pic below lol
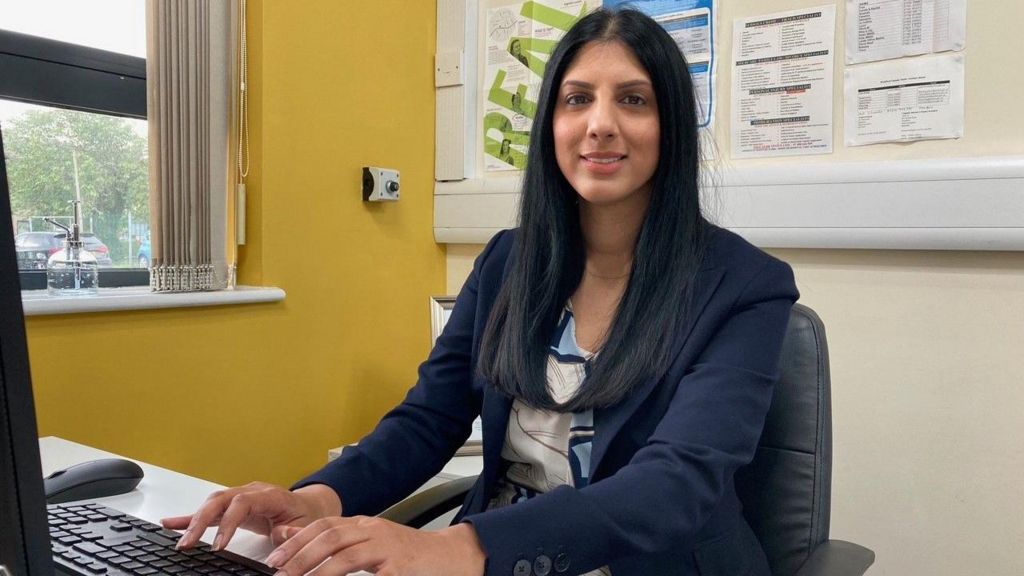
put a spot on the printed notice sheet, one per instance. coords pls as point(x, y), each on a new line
point(782, 83)
point(691, 23)
point(899, 101)
point(884, 29)
point(520, 39)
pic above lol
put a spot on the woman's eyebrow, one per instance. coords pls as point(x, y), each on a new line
point(621, 85)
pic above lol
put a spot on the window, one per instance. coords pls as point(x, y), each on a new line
point(73, 110)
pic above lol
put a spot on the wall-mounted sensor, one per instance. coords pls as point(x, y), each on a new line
point(380, 184)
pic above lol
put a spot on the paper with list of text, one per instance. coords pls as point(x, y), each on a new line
point(782, 83)
point(901, 101)
point(884, 29)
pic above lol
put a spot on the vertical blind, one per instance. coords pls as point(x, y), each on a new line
point(188, 70)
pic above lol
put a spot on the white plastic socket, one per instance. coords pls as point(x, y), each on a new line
point(381, 184)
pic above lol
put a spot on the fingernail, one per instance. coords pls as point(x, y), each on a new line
point(274, 559)
point(218, 541)
point(181, 541)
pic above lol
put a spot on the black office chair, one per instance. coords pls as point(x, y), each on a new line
point(786, 489)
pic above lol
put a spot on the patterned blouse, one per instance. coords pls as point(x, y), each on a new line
point(544, 450)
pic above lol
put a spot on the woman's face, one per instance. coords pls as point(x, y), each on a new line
point(606, 125)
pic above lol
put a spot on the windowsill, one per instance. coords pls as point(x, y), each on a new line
point(38, 303)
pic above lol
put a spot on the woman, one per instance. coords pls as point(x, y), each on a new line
point(621, 350)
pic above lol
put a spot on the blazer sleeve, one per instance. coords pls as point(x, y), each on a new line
point(661, 499)
point(415, 440)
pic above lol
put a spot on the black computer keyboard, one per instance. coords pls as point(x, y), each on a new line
point(93, 540)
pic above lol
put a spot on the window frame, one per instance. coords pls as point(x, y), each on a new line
point(58, 74)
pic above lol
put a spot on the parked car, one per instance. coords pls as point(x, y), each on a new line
point(35, 248)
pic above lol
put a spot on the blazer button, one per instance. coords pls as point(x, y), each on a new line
point(561, 563)
point(523, 568)
point(542, 565)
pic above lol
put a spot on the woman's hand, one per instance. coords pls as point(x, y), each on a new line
point(259, 507)
point(338, 546)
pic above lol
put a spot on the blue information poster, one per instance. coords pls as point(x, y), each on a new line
point(692, 24)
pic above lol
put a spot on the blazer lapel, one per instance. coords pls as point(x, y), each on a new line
point(608, 421)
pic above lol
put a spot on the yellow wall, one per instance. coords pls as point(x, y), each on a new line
point(262, 391)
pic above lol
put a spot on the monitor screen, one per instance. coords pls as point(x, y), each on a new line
point(24, 538)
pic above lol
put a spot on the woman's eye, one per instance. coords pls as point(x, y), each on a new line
point(575, 99)
point(634, 100)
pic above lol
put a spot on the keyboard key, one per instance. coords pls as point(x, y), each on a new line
point(157, 539)
point(161, 564)
point(149, 559)
point(89, 548)
point(205, 569)
point(107, 554)
point(120, 527)
point(152, 548)
point(96, 568)
point(175, 569)
point(97, 517)
point(82, 560)
point(171, 534)
point(135, 553)
point(120, 560)
point(122, 548)
point(69, 540)
point(78, 521)
point(205, 557)
point(133, 566)
point(144, 571)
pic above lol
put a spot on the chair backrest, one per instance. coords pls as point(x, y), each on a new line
point(786, 490)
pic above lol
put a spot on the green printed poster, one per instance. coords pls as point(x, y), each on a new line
point(520, 39)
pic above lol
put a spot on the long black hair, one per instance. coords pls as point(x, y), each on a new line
point(548, 254)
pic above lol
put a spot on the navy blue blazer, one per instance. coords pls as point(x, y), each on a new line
point(661, 499)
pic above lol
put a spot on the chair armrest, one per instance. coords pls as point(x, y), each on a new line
point(837, 558)
point(419, 509)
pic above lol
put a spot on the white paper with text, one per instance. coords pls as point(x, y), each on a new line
point(905, 100)
point(884, 29)
point(782, 83)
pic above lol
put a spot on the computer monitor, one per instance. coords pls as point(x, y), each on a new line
point(24, 537)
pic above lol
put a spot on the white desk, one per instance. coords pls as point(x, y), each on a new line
point(161, 493)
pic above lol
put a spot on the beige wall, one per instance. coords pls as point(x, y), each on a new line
point(926, 347)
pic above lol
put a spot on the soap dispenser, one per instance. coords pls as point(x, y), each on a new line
point(72, 271)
